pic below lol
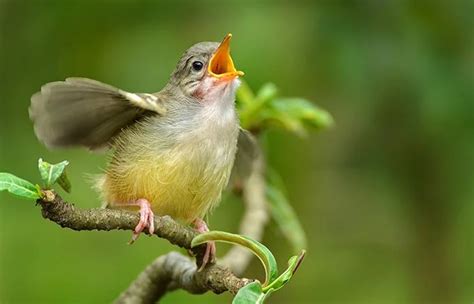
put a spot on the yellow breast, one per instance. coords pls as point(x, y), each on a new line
point(184, 181)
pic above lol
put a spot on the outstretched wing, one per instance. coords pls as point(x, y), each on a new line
point(85, 112)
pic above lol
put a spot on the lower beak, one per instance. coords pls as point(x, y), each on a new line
point(221, 64)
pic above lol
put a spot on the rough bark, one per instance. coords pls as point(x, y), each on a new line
point(167, 272)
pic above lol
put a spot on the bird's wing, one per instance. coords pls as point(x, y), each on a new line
point(247, 151)
point(85, 112)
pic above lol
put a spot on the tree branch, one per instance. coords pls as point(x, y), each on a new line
point(169, 271)
point(67, 215)
point(173, 271)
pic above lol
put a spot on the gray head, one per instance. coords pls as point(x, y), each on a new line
point(203, 69)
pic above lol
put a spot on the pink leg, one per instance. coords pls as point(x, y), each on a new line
point(147, 218)
point(210, 253)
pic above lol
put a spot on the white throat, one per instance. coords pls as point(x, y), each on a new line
point(219, 101)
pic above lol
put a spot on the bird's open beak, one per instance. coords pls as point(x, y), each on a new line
point(221, 64)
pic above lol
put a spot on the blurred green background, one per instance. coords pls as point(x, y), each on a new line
point(386, 195)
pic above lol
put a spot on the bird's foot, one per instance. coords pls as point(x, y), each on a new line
point(210, 253)
point(147, 219)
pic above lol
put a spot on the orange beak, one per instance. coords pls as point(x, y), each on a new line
point(221, 64)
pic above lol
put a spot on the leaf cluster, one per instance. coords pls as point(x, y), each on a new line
point(50, 174)
point(267, 110)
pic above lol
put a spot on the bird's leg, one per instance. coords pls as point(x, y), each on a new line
point(147, 218)
point(210, 253)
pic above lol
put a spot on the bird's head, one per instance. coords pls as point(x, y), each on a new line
point(206, 71)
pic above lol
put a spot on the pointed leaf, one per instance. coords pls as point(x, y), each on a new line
point(293, 263)
point(18, 186)
point(256, 293)
point(50, 173)
point(262, 252)
point(64, 182)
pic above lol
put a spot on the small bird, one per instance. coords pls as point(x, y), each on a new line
point(172, 151)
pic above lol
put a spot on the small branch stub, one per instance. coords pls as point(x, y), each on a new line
point(48, 196)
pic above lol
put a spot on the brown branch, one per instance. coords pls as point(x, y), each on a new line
point(167, 272)
point(173, 271)
point(153, 282)
point(67, 215)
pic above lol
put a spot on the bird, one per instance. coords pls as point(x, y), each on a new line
point(172, 152)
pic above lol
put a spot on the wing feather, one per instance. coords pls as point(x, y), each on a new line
point(85, 112)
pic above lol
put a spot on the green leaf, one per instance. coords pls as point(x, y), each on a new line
point(18, 186)
point(272, 118)
point(245, 96)
point(64, 182)
point(52, 173)
point(293, 263)
point(266, 110)
point(283, 213)
point(300, 110)
point(255, 293)
point(251, 293)
point(251, 106)
point(262, 252)
point(294, 115)
point(267, 92)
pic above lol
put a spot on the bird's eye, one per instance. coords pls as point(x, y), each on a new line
point(197, 65)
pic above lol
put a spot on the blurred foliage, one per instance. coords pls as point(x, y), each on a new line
point(385, 196)
point(283, 213)
point(266, 110)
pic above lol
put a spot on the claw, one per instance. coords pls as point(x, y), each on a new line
point(147, 219)
point(210, 253)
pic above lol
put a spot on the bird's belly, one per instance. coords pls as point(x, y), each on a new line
point(184, 184)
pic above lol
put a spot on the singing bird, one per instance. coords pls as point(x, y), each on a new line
point(172, 151)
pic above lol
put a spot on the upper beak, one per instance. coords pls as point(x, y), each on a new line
point(221, 64)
